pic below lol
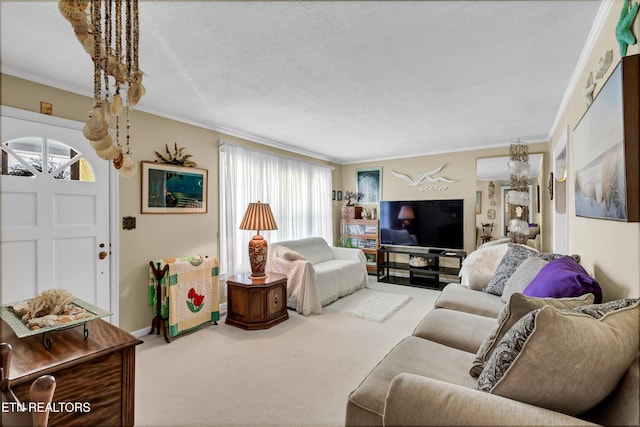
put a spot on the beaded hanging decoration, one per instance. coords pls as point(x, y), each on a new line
point(94, 23)
point(519, 213)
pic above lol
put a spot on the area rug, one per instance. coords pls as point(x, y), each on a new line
point(369, 304)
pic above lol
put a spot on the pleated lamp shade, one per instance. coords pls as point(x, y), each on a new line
point(258, 217)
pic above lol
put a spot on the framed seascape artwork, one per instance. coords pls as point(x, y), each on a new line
point(606, 149)
point(173, 189)
point(369, 183)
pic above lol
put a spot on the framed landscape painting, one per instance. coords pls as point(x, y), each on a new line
point(606, 149)
point(173, 189)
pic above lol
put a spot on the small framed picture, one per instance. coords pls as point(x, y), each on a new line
point(491, 214)
point(170, 189)
point(478, 202)
point(369, 183)
point(339, 195)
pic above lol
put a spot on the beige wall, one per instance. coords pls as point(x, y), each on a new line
point(610, 250)
point(458, 166)
point(156, 235)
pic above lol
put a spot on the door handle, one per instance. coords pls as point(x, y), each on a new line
point(102, 255)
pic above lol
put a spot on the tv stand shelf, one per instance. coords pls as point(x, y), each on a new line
point(434, 268)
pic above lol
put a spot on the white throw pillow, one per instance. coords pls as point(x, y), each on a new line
point(520, 279)
point(288, 254)
point(480, 266)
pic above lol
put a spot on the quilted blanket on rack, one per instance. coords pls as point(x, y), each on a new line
point(190, 293)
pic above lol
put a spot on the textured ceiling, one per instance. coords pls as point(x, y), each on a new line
point(341, 81)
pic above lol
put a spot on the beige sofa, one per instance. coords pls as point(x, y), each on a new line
point(426, 380)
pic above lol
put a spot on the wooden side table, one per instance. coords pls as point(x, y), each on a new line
point(256, 303)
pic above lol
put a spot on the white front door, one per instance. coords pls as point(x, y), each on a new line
point(54, 198)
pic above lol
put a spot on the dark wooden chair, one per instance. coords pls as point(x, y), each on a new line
point(41, 392)
point(487, 232)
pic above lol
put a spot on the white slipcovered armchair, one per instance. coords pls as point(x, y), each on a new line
point(317, 274)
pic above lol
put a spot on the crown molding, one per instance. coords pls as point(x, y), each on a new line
point(594, 34)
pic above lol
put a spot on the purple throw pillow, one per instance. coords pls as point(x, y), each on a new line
point(563, 277)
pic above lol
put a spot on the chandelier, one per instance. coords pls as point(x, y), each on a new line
point(519, 193)
point(108, 31)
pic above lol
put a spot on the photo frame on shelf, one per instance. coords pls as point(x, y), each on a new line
point(171, 189)
point(369, 183)
point(607, 149)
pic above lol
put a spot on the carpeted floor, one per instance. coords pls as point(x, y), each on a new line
point(298, 373)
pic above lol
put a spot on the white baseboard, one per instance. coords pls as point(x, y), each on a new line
point(141, 332)
point(145, 331)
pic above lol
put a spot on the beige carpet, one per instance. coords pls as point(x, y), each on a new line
point(298, 373)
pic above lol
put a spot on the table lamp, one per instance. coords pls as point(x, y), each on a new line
point(258, 217)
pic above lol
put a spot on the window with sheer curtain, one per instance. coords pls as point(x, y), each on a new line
point(298, 192)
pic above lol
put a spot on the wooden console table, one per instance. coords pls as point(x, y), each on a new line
point(99, 371)
point(256, 303)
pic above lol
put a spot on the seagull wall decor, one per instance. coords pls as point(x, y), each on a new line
point(422, 177)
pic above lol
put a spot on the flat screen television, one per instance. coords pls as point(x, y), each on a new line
point(437, 224)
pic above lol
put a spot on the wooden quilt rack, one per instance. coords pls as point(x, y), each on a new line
point(158, 321)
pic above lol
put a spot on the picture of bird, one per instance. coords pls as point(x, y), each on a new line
point(422, 177)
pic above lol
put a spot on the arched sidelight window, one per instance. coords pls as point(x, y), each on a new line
point(37, 156)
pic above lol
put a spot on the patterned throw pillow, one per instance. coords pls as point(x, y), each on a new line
point(509, 263)
point(518, 306)
point(565, 360)
point(550, 256)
